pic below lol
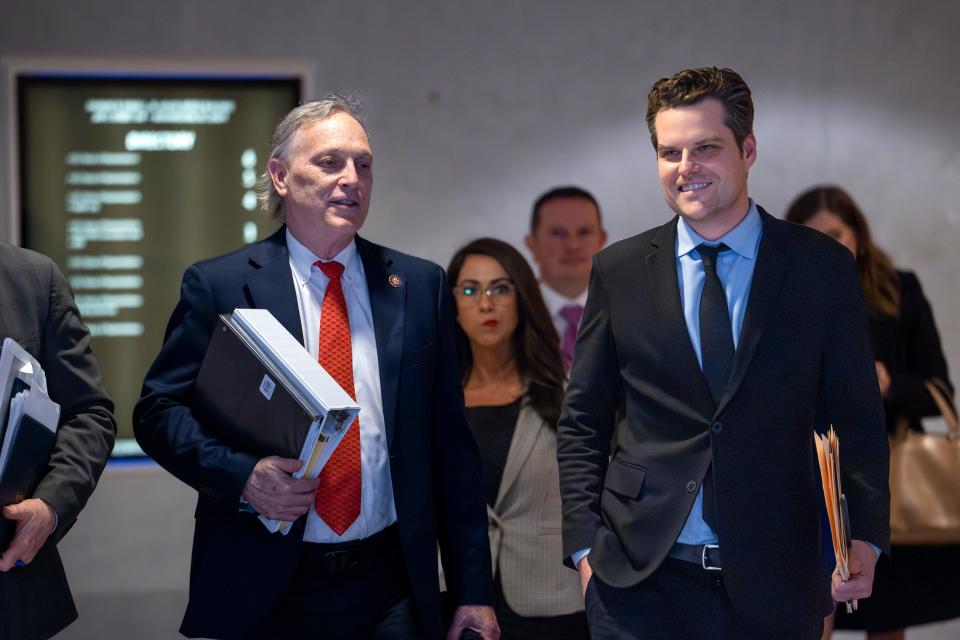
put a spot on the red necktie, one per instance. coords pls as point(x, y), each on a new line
point(338, 497)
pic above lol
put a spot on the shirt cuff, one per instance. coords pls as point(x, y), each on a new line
point(578, 556)
point(246, 507)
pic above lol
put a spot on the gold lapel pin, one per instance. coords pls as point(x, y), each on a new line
point(394, 280)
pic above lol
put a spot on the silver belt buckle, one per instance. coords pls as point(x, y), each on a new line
point(703, 557)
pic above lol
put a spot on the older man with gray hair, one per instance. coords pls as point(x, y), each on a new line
point(360, 561)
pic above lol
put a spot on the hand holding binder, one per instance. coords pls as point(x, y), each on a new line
point(274, 491)
point(28, 433)
point(262, 392)
point(34, 520)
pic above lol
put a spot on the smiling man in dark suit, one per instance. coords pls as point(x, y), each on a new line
point(360, 561)
point(728, 336)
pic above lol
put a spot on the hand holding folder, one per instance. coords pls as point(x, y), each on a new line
point(828, 454)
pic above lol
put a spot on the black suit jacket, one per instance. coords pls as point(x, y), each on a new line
point(802, 361)
point(238, 568)
point(37, 310)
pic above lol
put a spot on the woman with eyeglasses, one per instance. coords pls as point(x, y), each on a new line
point(512, 374)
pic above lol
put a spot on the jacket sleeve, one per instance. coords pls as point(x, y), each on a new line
point(163, 420)
point(87, 425)
point(587, 420)
point(850, 401)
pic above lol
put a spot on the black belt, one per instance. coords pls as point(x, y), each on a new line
point(379, 549)
point(705, 555)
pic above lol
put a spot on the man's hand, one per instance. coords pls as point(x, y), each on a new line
point(477, 617)
point(862, 562)
point(274, 493)
point(36, 520)
point(585, 574)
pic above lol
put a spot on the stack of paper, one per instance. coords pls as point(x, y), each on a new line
point(828, 454)
point(262, 392)
point(29, 432)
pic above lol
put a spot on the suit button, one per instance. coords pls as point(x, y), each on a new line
point(716, 427)
point(691, 486)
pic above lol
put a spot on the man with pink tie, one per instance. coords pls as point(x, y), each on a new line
point(565, 232)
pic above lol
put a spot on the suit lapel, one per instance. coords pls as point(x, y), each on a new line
point(387, 303)
point(764, 290)
point(521, 446)
point(665, 299)
point(270, 283)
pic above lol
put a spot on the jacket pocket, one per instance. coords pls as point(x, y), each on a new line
point(625, 479)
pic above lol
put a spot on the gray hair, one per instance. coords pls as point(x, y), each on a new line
point(299, 117)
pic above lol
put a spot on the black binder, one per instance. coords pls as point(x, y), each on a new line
point(26, 465)
point(241, 397)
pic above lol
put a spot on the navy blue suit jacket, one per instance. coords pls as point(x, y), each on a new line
point(238, 568)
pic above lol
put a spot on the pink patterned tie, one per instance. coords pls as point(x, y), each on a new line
point(571, 314)
point(337, 500)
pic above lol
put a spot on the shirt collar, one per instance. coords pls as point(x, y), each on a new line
point(556, 301)
point(742, 239)
point(303, 259)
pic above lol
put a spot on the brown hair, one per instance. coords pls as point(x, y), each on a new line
point(535, 344)
point(691, 86)
point(878, 278)
point(562, 193)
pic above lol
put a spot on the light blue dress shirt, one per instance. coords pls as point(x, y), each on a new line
point(735, 268)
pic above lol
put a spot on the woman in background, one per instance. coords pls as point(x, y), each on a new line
point(917, 584)
point(512, 374)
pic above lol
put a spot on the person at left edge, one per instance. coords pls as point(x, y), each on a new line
point(37, 310)
point(364, 567)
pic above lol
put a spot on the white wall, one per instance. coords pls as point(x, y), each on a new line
point(477, 107)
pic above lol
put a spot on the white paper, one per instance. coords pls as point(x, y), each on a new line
point(297, 365)
point(15, 363)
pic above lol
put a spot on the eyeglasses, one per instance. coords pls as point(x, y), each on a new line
point(472, 292)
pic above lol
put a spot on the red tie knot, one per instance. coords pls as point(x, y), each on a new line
point(332, 269)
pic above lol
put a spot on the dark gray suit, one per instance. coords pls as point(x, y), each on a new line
point(802, 362)
point(37, 310)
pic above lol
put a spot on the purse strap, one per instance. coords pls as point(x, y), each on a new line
point(940, 396)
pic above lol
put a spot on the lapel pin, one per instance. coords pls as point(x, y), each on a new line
point(394, 280)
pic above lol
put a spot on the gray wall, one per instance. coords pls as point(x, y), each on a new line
point(477, 107)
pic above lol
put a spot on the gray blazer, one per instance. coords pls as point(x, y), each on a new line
point(525, 525)
point(37, 310)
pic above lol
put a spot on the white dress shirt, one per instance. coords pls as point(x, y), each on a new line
point(555, 302)
point(377, 508)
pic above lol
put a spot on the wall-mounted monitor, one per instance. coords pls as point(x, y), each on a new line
point(126, 180)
